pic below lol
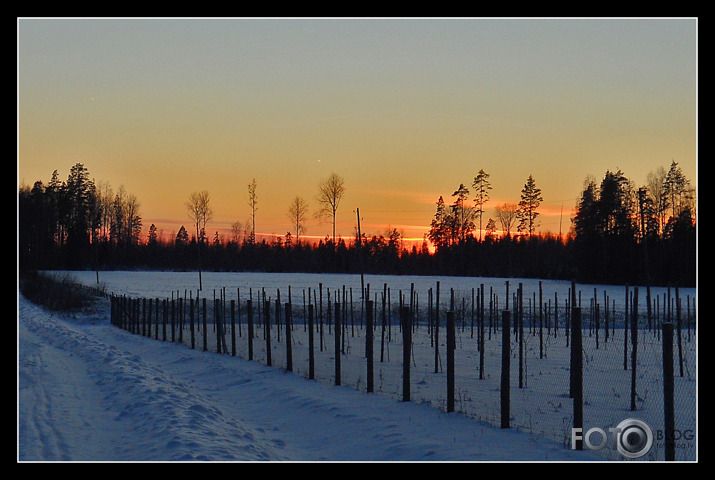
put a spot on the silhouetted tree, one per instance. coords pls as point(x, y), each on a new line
point(481, 186)
point(676, 188)
point(506, 214)
point(438, 233)
point(330, 193)
point(253, 203)
point(297, 213)
point(462, 214)
point(199, 210)
point(530, 201)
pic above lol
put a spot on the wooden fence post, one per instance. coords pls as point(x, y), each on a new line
point(233, 327)
point(156, 319)
point(191, 323)
point(451, 344)
point(406, 352)
point(289, 346)
point(577, 372)
point(520, 314)
point(173, 318)
point(505, 367)
point(267, 330)
point(679, 327)
point(369, 343)
point(311, 343)
point(165, 318)
point(337, 343)
point(436, 331)
point(204, 323)
point(249, 320)
point(634, 352)
point(481, 320)
point(668, 392)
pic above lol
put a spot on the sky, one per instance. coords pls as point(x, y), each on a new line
point(404, 109)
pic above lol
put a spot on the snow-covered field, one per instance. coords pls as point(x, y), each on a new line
point(90, 391)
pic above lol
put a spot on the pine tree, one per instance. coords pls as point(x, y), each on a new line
point(481, 186)
point(530, 201)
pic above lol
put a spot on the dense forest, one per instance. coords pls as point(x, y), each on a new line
point(619, 234)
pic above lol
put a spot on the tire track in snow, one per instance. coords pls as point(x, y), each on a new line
point(128, 399)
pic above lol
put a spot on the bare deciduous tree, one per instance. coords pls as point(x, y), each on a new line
point(297, 212)
point(199, 212)
point(330, 192)
point(506, 214)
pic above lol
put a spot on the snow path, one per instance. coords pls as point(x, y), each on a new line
point(88, 391)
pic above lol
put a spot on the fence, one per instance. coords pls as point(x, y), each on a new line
point(511, 361)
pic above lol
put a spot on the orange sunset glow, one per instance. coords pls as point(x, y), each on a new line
point(403, 109)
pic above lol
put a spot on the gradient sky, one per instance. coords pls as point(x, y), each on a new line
point(404, 109)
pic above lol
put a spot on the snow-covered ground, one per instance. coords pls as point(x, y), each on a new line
point(90, 391)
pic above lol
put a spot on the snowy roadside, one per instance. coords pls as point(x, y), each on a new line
point(88, 391)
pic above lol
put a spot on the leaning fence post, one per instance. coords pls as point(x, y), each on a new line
point(668, 392)
point(505, 367)
point(450, 361)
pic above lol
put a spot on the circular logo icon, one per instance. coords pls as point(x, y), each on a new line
point(634, 438)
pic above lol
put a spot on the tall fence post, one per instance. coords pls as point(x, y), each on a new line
point(156, 319)
point(249, 320)
point(634, 350)
point(505, 367)
point(267, 330)
point(289, 346)
point(577, 372)
point(165, 318)
point(668, 392)
point(233, 327)
point(679, 327)
point(406, 352)
point(436, 332)
point(311, 343)
point(481, 318)
point(180, 319)
point(337, 343)
point(191, 323)
point(451, 344)
point(173, 319)
point(143, 317)
point(369, 343)
point(204, 323)
point(520, 314)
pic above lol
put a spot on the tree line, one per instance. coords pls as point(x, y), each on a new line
point(619, 234)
